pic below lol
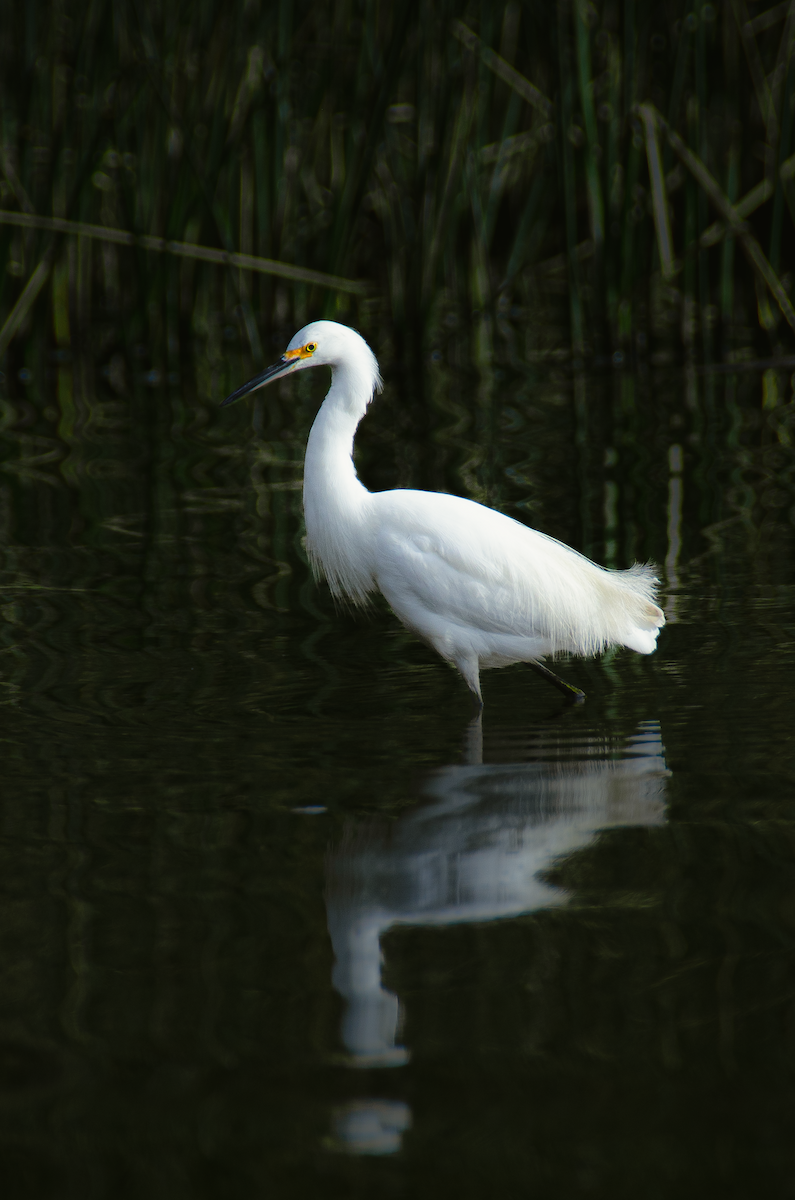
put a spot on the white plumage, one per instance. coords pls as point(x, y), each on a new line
point(482, 589)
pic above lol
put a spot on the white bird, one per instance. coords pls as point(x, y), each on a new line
point(482, 589)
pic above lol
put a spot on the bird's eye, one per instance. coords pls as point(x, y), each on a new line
point(310, 347)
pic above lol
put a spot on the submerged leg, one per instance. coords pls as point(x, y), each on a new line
point(474, 740)
point(572, 694)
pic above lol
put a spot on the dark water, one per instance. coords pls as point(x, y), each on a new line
point(270, 927)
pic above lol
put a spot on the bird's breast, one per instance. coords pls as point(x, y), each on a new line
point(339, 541)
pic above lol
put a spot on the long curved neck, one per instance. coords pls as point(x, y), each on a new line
point(335, 501)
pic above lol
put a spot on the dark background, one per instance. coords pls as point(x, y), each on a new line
point(174, 687)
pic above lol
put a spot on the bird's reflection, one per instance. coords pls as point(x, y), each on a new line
point(475, 850)
point(373, 1127)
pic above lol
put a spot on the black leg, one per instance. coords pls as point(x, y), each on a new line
point(474, 741)
point(572, 694)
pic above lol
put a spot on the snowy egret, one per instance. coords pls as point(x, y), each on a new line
point(482, 589)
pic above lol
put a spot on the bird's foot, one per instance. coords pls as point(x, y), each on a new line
point(573, 694)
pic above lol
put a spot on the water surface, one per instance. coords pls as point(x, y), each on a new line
point(276, 920)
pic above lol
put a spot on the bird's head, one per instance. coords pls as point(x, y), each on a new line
point(321, 343)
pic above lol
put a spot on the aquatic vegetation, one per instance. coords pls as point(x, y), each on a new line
point(547, 176)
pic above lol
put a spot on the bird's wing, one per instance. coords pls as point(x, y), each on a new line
point(477, 568)
point(473, 565)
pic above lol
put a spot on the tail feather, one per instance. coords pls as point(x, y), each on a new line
point(648, 621)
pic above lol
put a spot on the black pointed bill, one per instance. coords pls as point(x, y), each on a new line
point(282, 367)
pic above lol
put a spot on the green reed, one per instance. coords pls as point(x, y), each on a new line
point(393, 165)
